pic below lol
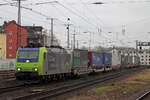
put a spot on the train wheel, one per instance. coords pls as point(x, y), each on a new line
point(18, 78)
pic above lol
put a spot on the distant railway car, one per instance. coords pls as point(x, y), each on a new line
point(95, 60)
point(100, 61)
point(135, 60)
point(80, 61)
point(116, 60)
point(129, 60)
point(107, 59)
point(124, 61)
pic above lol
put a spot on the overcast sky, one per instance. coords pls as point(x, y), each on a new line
point(110, 17)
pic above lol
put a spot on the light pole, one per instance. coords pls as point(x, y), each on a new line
point(68, 32)
point(68, 27)
point(19, 23)
point(89, 40)
point(52, 31)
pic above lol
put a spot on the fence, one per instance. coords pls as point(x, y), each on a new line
point(8, 64)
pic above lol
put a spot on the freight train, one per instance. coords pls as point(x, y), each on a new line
point(51, 63)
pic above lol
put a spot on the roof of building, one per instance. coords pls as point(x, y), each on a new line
point(31, 30)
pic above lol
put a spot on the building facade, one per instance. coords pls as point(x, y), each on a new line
point(2, 46)
point(34, 36)
point(31, 36)
point(11, 30)
point(144, 57)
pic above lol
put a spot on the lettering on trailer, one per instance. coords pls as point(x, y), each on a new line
point(76, 54)
point(106, 59)
point(96, 58)
point(143, 44)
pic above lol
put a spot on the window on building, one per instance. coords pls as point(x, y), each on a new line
point(10, 40)
point(142, 59)
point(145, 56)
point(10, 47)
point(142, 62)
point(142, 56)
point(10, 55)
point(10, 33)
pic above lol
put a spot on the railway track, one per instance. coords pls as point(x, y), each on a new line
point(7, 74)
point(67, 88)
point(17, 87)
point(9, 89)
point(50, 93)
point(145, 96)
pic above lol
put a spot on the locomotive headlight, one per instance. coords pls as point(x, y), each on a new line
point(36, 69)
point(19, 69)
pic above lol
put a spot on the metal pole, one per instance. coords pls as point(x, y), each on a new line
point(74, 40)
point(19, 22)
point(90, 42)
point(68, 40)
point(77, 44)
point(18, 29)
point(51, 31)
point(71, 44)
point(68, 44)
point(136, 46)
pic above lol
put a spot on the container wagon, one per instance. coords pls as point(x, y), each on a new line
point(135, 60)
point(116, 60)
point(100, 61)
point(96, 61)
point(80, 62)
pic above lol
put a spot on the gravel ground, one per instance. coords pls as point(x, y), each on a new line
point(83, 94)
point(112, 93)
point(43, 87)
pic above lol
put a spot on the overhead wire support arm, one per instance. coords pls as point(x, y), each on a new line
point(73, 12)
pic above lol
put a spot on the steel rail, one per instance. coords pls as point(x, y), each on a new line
point(14, 88)
point(143, 96)
point(64, 89)
point(68, 88)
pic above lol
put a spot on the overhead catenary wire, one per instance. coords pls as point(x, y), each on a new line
point(27, 17)
point(30, 9)
point(73, 12)
point(34, 11)
point(82, 16)
point(48, 16)
point(94, 15)
point(78, 15)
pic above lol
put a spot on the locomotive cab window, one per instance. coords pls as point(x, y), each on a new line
point(31, 55)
